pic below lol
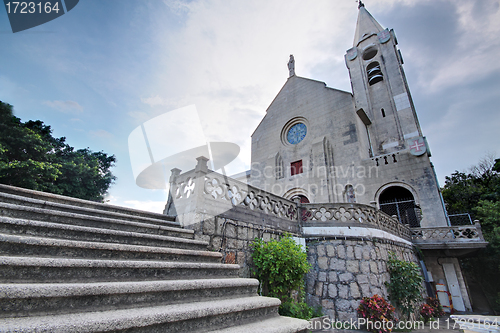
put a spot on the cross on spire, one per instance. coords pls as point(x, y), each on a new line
point(360, 4)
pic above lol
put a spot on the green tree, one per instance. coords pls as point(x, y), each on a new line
point(32, 158)
point(463, 190)
point(478, 193)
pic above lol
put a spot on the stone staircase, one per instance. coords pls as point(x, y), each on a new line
point(69, 265)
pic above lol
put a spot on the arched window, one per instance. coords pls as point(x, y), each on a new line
point(278, 169)
point(374, 73)
point(398, 201)
point(349, 194)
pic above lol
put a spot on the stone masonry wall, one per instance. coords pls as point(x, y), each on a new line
point(345, 271)
point(233, 239)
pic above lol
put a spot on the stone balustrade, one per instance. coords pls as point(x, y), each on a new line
point(220, 188)
point(201, 193)
point(449, 237)
point(184, 184)
point(457, 233)
point(351, 214)
point(229, 193)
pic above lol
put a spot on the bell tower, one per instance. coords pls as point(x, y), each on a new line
point(381, 95)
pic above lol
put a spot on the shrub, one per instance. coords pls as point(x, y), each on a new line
point(295, 309)
point(301, 310)
point(375, 309)
point(280, 265)
point(405, 285)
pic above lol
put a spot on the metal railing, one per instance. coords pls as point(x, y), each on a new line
point(460, 219)
point(405, 210)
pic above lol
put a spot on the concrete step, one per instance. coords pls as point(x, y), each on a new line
point(188, 317)
point(52, 247)
point(13, 199)
point(18, 226)
point(48, 215)
point(20, 269)
point(49, 197)
point(274, 324)
point(70, 265)
point(20, 300)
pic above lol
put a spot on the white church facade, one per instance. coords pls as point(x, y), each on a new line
point(347, 173)
point(327, 145)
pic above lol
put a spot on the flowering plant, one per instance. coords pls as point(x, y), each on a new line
point(431, 309)
point(427, 312)
point(436, 306)
point(376, 310)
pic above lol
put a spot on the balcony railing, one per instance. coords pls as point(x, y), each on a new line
point(351, 214)
point(450, 236)
point(201, 191)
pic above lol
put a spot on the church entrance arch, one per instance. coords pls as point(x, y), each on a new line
point(304, 214)
point(301, 198)
point(399, 201)
point(297, 193)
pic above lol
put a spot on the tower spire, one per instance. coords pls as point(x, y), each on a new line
point(366, 24)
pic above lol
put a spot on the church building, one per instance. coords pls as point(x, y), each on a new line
point(320, 144)
point(348, 174)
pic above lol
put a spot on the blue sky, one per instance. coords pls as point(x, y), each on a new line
point(98, 72)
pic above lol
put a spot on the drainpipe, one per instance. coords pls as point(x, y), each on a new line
point(440, 195)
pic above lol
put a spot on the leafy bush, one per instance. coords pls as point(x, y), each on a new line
point(375, 309)
point(405, 285)
point(295, 310)
point(280, 267)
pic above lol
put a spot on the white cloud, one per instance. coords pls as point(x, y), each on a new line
point(139, 116)
point(154, 206)
point(153, 101)
point(148, 205)
point(471, 60)
point(230, 59)
point(101, 134)
point(65, 106)
point(177, 6)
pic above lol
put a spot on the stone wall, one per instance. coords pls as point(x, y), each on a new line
point(233, 238)
point(345, 271)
